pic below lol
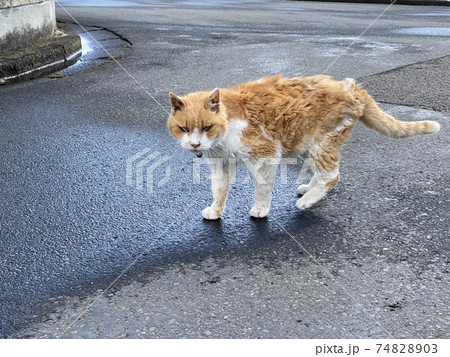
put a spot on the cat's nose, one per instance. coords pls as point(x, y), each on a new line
point(195, 145)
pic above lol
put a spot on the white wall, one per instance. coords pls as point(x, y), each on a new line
point(25, 22)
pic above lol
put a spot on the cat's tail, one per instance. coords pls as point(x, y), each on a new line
point(374, 118)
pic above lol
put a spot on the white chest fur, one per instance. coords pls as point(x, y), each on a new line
point(232, 142)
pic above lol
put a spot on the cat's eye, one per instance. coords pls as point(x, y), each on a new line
point(206, 128)
point(183, 128)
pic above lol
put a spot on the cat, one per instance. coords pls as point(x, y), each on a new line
point(275, 117)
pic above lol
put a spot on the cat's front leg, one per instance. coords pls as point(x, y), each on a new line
point(264, 181)
point(222, 173)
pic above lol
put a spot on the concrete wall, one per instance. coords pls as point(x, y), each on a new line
point(24, 22)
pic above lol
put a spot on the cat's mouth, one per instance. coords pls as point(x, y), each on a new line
point(197, 152)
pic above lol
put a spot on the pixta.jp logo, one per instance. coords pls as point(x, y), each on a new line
point(141, 170)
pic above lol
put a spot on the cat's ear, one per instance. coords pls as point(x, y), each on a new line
point(214, 100)
point(177, 103)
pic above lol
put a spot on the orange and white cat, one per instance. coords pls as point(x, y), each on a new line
point(276, 117)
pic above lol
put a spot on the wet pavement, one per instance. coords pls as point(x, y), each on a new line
point(99, 46)
point(369, 261)
point(399, 86)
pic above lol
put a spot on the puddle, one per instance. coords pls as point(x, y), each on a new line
point(437, 14)
point(271, 65)
point(99, 3)
point(159, 4)
point(424, 31)
point(86, 43)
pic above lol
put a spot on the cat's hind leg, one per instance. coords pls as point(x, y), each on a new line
point(302, 189)
point(324, 182)
point(324, 160)
point(264, 181)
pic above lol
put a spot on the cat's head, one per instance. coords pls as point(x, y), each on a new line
point(198, 121)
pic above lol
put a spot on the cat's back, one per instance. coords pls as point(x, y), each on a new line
point(293, 110)
point(281, 92)
point(280, 86)
point(275, 96)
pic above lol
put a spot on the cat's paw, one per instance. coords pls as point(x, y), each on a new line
point(259, 212)
point(305, 202)
point(302, 189)
point(210, 213)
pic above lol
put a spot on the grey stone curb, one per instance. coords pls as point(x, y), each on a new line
point(387, 2)
point(44, 58)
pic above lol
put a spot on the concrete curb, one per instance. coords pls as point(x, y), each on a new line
point(387, 2)
point(59, 52)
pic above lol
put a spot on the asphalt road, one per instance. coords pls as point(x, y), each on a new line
point(372, 260)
